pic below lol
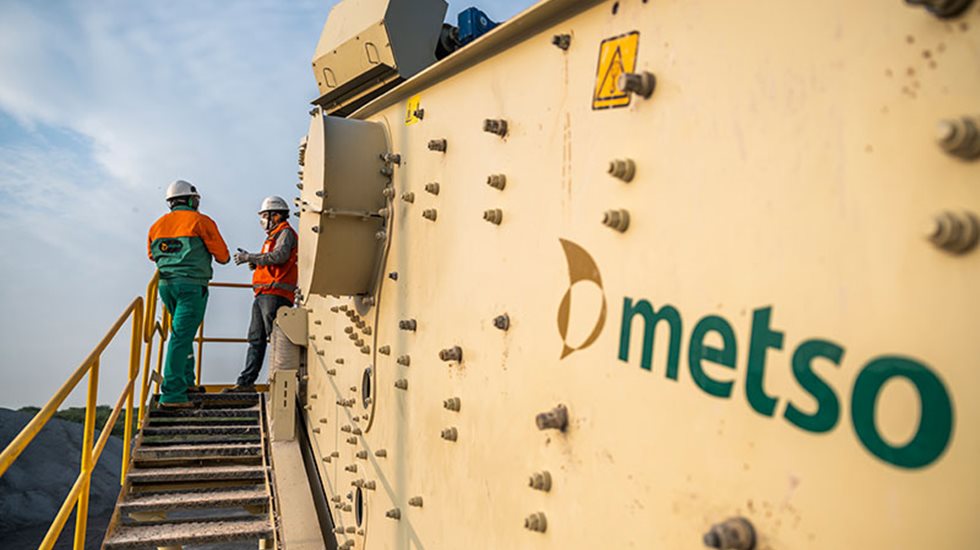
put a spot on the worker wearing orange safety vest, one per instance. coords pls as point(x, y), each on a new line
point(183, 243)
point(274, 282)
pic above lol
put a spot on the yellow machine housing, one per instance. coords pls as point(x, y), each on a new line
point(649, 275)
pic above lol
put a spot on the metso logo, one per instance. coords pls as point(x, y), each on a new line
point(581, 269)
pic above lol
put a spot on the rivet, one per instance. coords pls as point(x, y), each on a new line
point(352, 440)
point(319, 193)
point(346, 428)
point(438, 145)
point(351, 530)
point(393, 275)
point(308, 407)
point(408, 324)
point(332, 372)
point(327, 337)
point(367, 331)
point(335, 498)
point(370, 485)
point(401, 384)
point(352, 336)
point(449, 434)
point(562, 41)
point(404, 360)
point(641, 84)
point(366, 350)
point(356, 430)
point(384, 350)
point(315, 229)
point(343, 307)
point(415, 501)
point(338, 530)
point(394, 513)
point(432, 188)
point(352, 468)
point(380, 236)
point(732, 534)
point(616, 219)
point(622, 169)
point(368, 300)
point(430, 214)
point(320, 352)
point(353, 389)
point(360, 323)
point(453, 403)
point(339, 360)
point(960, 137)
point(497, 181)
point(495, 126)
point(408, 197)
point(312, 396)
point(555, 419)
point(502, 321)
point(335, 454)
point(536, 522)
point(419, 113)
point(327, 459)
point(317, 322)
point(362, 455)
point(359, 342)
point(540, 481)
point(494, 216)
point(299, 186)
point(349, 330)
point(348, 508)
point(312, 337)
point(381, 453)
point(391, 158)
point(388, 192)
point(323, 421)
point(454, 353)
point(954, 232)
point(334, 309)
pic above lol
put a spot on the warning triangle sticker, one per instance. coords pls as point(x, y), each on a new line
point(617, 55)
point(609, 85)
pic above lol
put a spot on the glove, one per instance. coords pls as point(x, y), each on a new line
point(242, 257)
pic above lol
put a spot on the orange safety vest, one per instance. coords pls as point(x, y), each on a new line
point(277, 279)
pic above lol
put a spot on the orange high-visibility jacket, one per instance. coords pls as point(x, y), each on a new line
point(182, 244)
point(279, 279)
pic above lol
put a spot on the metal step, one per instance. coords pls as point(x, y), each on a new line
point(196, 474)
point(183, 500)
point(205, 429)
point(199, 439)
point(194, 452)
point(224, 400)
point(182, 533)
point(250, 412)
point(173, 421)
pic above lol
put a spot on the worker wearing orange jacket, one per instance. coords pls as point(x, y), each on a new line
point(274, 283)
point(182, 243)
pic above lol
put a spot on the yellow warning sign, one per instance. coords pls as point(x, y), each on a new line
point(617, 55)
point(413, 110)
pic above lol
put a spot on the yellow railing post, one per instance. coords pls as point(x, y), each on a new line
point(81, 515)
point(134, 365)
point(145, 385)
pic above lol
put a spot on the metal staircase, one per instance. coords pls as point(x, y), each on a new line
point(198, 476)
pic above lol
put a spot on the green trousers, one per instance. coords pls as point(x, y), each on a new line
point(186, 303)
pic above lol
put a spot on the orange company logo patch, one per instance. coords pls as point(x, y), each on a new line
point(581, 269)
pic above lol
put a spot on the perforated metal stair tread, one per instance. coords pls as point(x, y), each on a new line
point(198, 439)
point(252, 496)
point(173, 534)
point(205, 412)
point(194, 430)
point(197, 451)
point(213, 473)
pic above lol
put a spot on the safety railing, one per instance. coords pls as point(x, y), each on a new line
point(145, 327)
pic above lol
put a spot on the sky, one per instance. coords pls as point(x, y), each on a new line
point(103, 103)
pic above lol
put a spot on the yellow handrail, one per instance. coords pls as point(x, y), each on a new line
point(145, 327)
point(90, 455)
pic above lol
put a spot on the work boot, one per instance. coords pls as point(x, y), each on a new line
point(182, 405)
point(196, 389)
point(249, 388)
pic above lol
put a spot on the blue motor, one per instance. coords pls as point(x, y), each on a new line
point(473, 24)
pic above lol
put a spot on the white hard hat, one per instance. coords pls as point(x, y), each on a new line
point(181, 188)
point(273, 203)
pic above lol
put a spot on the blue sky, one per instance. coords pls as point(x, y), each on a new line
point(102, 104)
